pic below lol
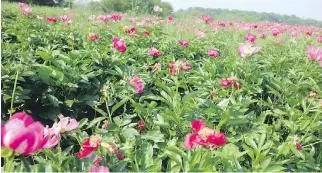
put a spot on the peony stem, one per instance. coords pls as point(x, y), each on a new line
point(9, 163)
point(108, 110)
point(13, 93)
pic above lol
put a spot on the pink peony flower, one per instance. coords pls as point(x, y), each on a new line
point(67, 124)
point(204, 136)
point(155, 52)
point(101, 169)
point(206, 19)
point(147, 33)
point(97, 161)
point(157, 9)
point(250, 37)
point(262, 35)
point(170, 18)
point(225, 83)
point(213, 53)
point(309, 32)
point(53, 136)
point(93, 37)
point(22, 134)
point(319, 39)
point(105, 18)
point(26, 10)
point(184, 43)
point(119, 156)
point(315, 53)
point(51, 19)
point(179, 66)
point(65, 19)
point(116, 17)
point(246, 50)
point(141, 124)
point(199, 34)
point(156, 67)
point(275, 32)
point(22, 5)
point(119, 44)
point(138, 84)
point(299, 146)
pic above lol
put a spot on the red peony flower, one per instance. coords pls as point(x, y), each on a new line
point(204, 136)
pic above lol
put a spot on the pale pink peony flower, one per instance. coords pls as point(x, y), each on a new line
point(26, 10)
point(66, 19)
point(22, 134)
point(315, 53)
point(179, 66)
point(138, 84)
point(155, 52)
point(105, 18)
point(262, 35)
point(97, 160)
point(319, 39)
point(100, 169)
point(246, 50)
point(93, 37)
point(40, 17)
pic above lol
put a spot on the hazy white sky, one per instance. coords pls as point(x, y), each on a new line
point(301, 8)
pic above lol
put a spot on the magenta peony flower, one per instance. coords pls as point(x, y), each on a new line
point(51, 19)
point(119, 44)
point(184, 43)
point(22, 134)
point(213, 53)
point(250, 37)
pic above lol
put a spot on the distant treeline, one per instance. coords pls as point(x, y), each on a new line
point(238, 15)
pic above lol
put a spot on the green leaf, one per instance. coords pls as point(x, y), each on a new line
point(155, 136)
point(112, 127)
point(119, 166)
point(69, 103)
point(275, 169)
point(239, 168)
point(264, 164)
point(82, 122)
point(44, 55)
point(95, 121)
point(119, 104)
point(130, 133)
point(53, 100)
point(179, 152)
